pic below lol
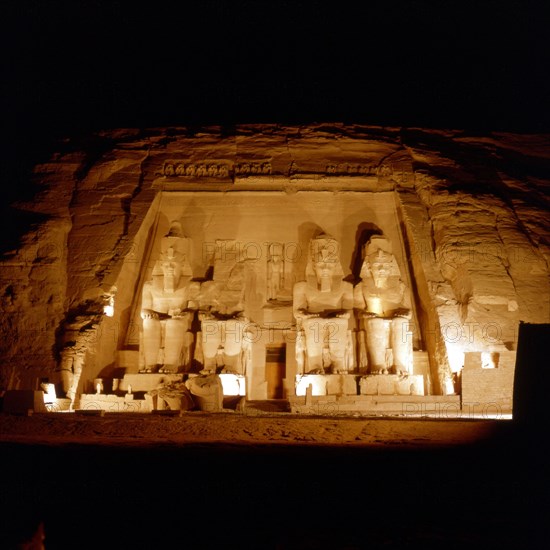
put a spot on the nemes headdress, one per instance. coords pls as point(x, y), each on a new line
point(324, 248)
point(174, 247)
point(379, 246)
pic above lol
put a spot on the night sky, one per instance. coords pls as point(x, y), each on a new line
point(71, 66)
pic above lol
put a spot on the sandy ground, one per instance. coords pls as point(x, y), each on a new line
point(275, 481)
point(252, 428)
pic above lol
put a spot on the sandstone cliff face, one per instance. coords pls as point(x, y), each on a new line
point(474, 214)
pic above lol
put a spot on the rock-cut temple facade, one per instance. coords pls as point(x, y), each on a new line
point(339, 268)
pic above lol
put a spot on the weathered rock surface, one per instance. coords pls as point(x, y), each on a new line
point(474, 212)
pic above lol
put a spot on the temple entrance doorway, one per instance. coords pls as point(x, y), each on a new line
point(275, 370)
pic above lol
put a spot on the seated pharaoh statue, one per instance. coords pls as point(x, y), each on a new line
point(225, 346)
point(167, 308)
point(322, 305)
point(383, 305)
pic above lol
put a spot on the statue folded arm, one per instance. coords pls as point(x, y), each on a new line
point(405, 309)
point(147, 311)
point(300, 304)
point(193, 296)
point(359, 304)
point(362, 306)
point(347, 301)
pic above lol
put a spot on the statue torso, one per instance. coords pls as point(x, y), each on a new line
point(163, 301)
point(390, 297)
point(318, 301)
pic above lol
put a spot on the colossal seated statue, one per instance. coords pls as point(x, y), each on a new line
point(383, 305)
point(225, 346)
point(322, 305)
point(167, 307)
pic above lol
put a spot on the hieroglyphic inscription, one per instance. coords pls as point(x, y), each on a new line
point(354, 169)
point(214, 170)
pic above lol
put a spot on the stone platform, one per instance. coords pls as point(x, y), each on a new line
point(359, 384)
point(115, 403)
point(233, 385)
point(441, 406)
point(148, 381)
point(391, 384)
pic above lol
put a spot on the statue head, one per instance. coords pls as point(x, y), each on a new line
point(175, 230)
point(171, 269)
point(158, 276)
point(324, 261)
point(379, 261)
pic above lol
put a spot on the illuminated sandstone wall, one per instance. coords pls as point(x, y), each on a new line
point(472, 213)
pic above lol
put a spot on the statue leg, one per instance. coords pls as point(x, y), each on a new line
point(77, 360)
point(300, 351)
point(349, 358)
point(174, 341)
point(313, 331)
point(234, 333)
point(336, 331)
point(151, 342)
point(378, 341)
point(363, 360)
point(401, 343)
point(211, 339)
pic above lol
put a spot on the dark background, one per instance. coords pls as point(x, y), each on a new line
point(69, 68)
point(72, 67)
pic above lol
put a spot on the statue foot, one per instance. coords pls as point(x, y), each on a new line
point(319, 370)
point(338, 369)
point(168, 370)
